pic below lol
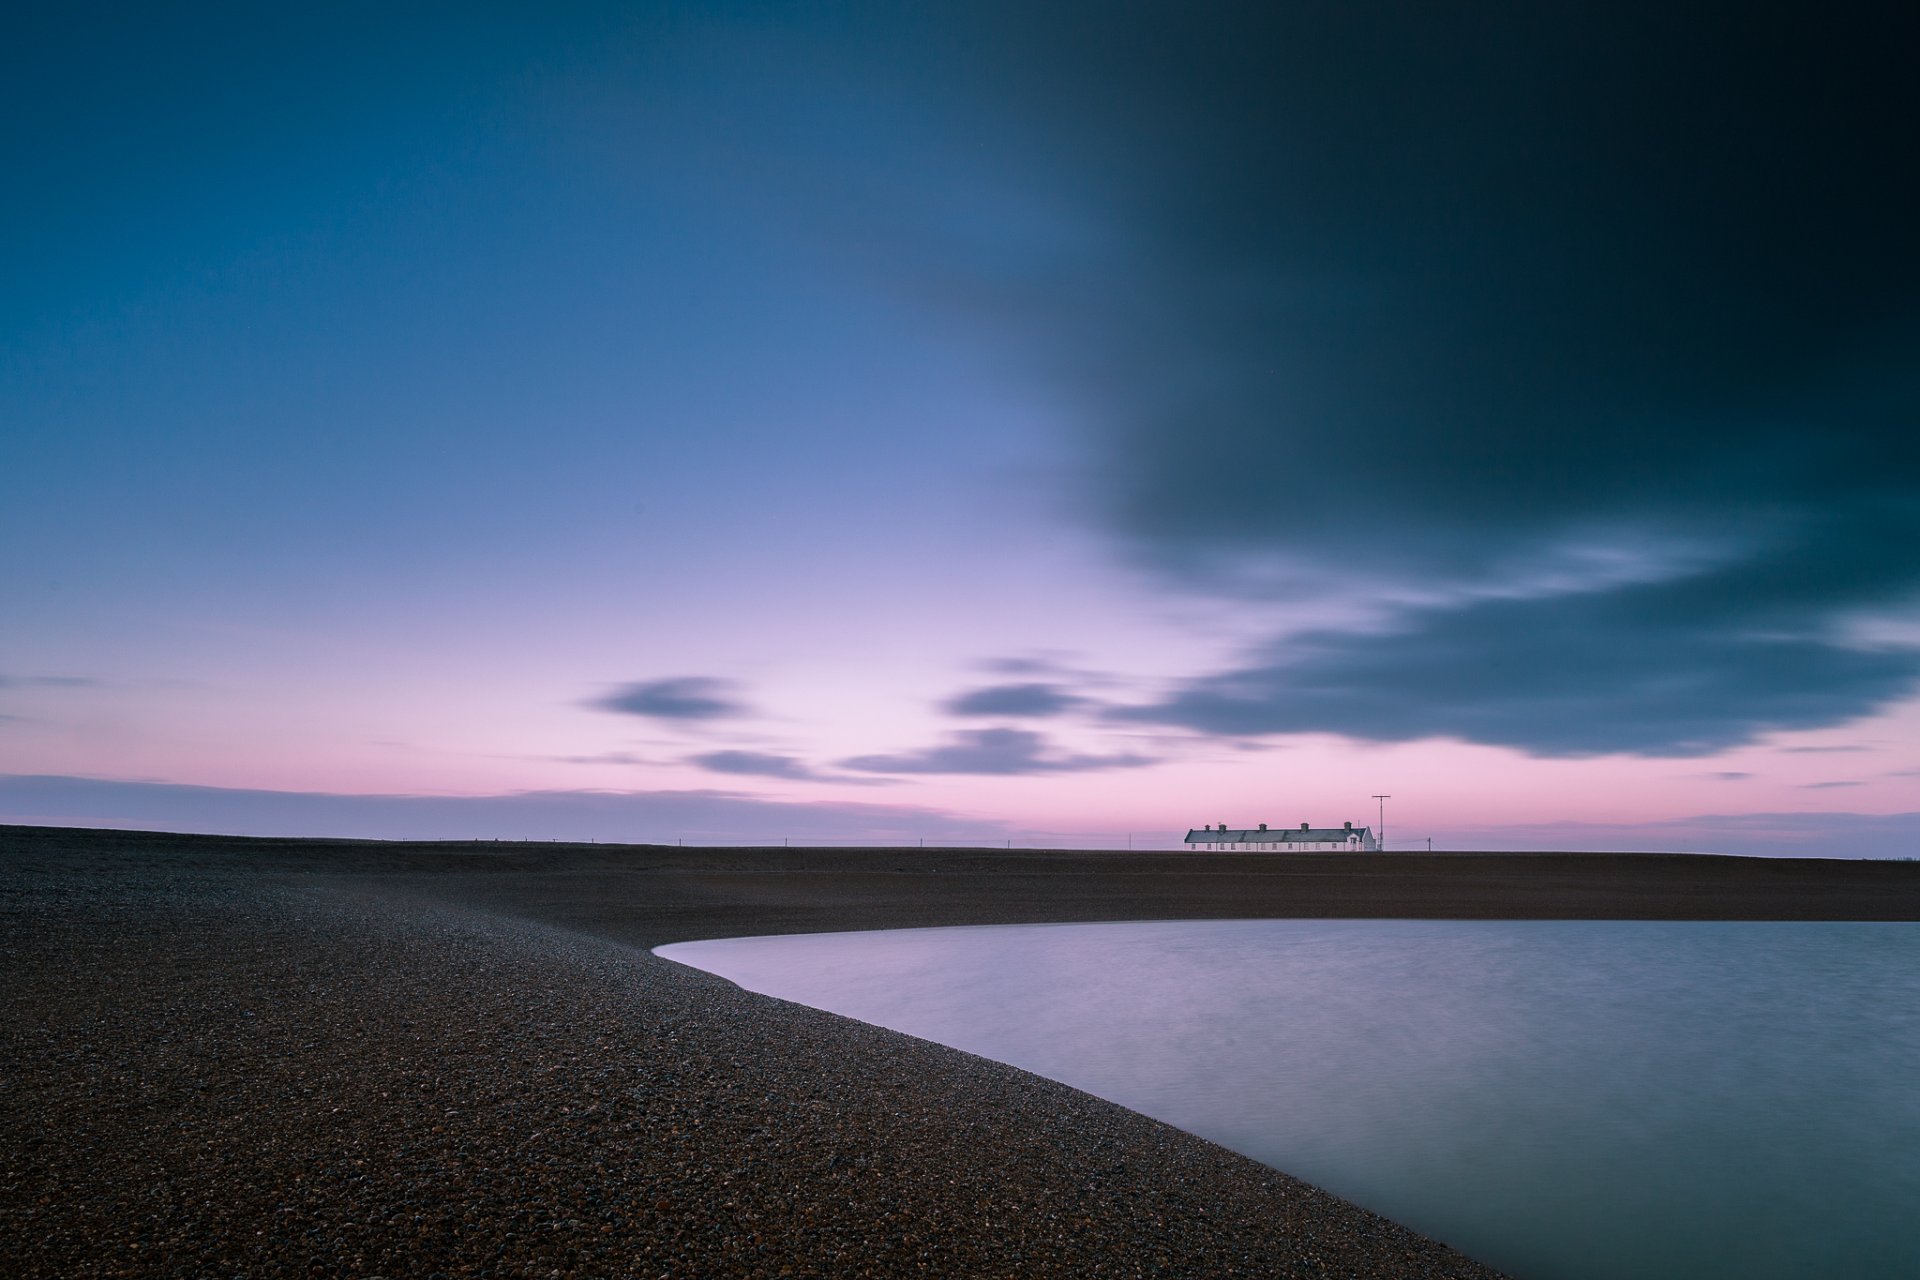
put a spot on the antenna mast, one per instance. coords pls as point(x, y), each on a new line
point(1383, 821)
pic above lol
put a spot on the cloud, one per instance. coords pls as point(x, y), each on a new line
point(48, 682)
point(1728, 775)
point(1812, 751)
point(1002, 752)
point(629, 816)
point(1798, 835)
point(604, 757)
point(1470, 290)
point(1037, 665)
point(1828, 786)
point(1033, 699)
point(722, 817)
point(768, 764)
point(757, 764)
point(1481, 325)
point(1637, 671)
point(679, 698)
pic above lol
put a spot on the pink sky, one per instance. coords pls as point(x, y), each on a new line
point(687, 416)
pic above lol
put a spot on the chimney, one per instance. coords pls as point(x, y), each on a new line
point(1263, 826)
point(1305, 826)
point(1349, 826)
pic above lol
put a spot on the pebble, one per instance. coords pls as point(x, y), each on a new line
point(216, 1073)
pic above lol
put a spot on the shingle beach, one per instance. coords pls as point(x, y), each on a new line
point(276, 1058)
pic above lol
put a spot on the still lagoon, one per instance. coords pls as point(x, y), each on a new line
point(1565, 1100)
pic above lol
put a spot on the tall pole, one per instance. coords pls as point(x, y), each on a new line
point(1383, 821)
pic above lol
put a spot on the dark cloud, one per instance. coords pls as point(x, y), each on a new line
point(757, 764)
point(1033, 699)
point(1531, 304)
point(1637, 671)
point(1828, 786)
point(1500, 276)
point(631, 816)
point(991, 751)
point(678, 698)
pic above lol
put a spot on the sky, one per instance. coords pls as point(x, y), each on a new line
point(1056, 423)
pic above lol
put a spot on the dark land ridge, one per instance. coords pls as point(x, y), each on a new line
point(260, 1058)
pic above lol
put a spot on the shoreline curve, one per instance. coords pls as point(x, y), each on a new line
point(269, 1058)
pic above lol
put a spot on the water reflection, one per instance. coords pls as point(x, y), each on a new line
point(1559, 1098)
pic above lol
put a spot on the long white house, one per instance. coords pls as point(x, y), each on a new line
point(1301, 839)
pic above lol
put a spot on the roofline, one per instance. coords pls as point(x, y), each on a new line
point(1276, 835)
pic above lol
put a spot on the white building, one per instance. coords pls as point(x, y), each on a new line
point(1302, 839)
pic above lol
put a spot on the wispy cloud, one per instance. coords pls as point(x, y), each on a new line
point(1052, 663)
point(1829, 786)
point(1000, 752)
point(632, 816)
point(679, 698)
point(1804, 835)
point(1032, 699)
point(47, 682)
point(756, 764)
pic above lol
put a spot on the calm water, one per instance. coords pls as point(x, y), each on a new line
point(1559, 1099)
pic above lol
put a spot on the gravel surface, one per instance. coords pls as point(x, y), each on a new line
point(208, 1072)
